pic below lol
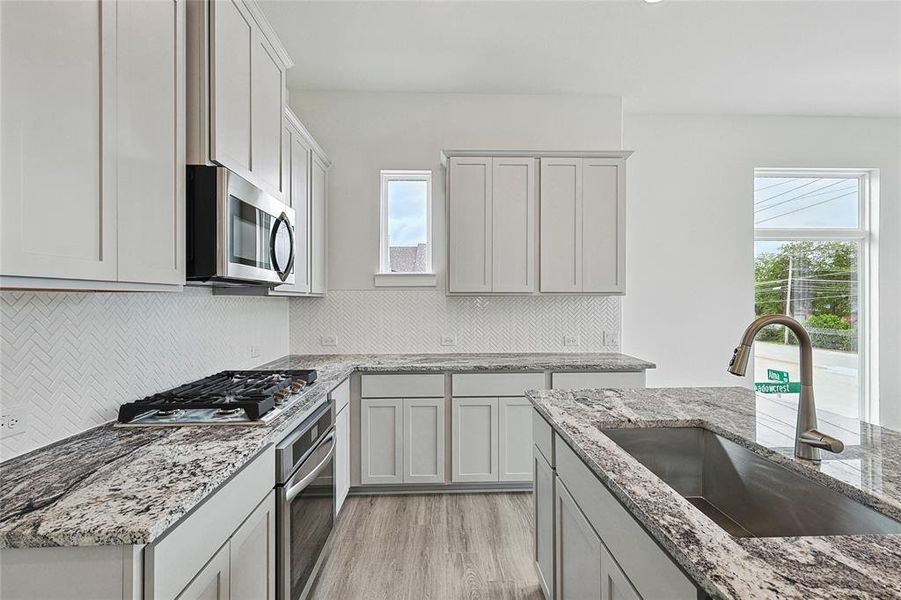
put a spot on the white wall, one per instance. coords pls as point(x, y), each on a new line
point(364, 133)
point(68, 360)
point(690, 234)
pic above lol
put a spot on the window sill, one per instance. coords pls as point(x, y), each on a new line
point(406, 280)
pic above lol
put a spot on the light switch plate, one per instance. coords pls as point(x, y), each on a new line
point(254, 351)
point(328, 340)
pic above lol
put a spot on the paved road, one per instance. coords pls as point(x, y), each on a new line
point(835, 381)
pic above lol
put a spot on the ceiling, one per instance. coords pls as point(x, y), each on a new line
point(764, 57)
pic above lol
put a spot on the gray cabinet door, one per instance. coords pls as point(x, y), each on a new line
point(579, 551)
point(252, 562)
point(514, 439)
point(543, 495)
point(475, 444)
point(342, 457)
point(424, 440)
point(614, 583)
point(381, 441)
point(212, 582)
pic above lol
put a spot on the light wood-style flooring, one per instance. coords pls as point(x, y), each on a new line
point(430, 547)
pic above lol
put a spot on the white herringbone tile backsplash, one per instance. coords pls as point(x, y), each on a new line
point(72, 358)
point(414, 321)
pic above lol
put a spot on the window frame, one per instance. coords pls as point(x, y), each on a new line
point(387, 176)
point(865, 235)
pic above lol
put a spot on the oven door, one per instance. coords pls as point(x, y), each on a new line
point(258, 234)
point(306, 516)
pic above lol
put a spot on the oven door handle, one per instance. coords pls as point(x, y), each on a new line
point(298, 487)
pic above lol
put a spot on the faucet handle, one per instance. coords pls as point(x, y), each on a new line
point(818, 439)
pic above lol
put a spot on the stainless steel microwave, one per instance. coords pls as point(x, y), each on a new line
point(237, 234)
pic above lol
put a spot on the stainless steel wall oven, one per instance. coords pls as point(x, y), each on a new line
point(305, 502)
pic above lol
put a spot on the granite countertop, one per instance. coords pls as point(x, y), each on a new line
point(128, 485)
point(725, 566)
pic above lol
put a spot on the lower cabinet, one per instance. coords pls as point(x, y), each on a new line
point(544, 498)
point(578, 549)
point(402, 440)
point(342, 458)
point(492, 439)
point(244, 568)
point(252, 555)
point(212, 583)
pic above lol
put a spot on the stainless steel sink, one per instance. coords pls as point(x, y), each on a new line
point(742, 492)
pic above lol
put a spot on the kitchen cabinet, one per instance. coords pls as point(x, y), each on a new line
point(318, 225)
point(614, 583)
point(252, 555)
point(341, 398)
point(423, 440)
point(299, 160)
point(381, 440)
point(236, 92)
point(544, 498)
point(514, 421)
point(402, 437)
point(475, 432)
point(578, 550)
point(93, 145)
point(491, 225)
point(212, 582)
point(582, 225)
point(492, 426)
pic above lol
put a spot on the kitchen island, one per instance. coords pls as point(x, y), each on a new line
point(717, 563)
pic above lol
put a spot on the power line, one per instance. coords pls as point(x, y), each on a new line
point(803, 185)
point(817, 192)
point(804, 208)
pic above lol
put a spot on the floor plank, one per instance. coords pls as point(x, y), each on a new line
point(432, 547)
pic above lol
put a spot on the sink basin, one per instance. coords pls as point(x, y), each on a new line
point(742, 492)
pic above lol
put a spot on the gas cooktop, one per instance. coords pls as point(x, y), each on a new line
point(226, 398)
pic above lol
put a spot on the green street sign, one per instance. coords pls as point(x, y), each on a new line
point(793, 387)
point(774, 375)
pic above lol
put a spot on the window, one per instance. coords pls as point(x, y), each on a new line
point(406, 226)
point(811, 262)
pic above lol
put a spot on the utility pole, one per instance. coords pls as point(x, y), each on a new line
point(788, 296)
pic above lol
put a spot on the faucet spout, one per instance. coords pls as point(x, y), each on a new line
point(808, 441)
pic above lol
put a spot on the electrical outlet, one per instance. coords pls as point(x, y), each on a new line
point(611, 339)
point(328, 340)
point(14, 421)
point(254, 351)
point(448, 340)
point(571, 341)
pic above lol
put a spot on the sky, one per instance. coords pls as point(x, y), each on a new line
point(801, 202)
point(407, 214)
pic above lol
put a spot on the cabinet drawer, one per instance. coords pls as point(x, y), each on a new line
point(650, 569)
point(341, 395)
point(403, 386)
point(575, 381)
point(172, 561)
point(497, 384)
point(543, 436)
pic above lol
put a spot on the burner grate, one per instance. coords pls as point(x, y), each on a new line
point(255, 392)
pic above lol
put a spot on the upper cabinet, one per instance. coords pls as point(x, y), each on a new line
point(583, 225)
point(515, 227)
point(93, 144)
point(491, 225)
point(236, 92)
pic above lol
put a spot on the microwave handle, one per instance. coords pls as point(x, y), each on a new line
point(299, 486)
point(286, 270)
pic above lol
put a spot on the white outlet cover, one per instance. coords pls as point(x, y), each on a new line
point(571, 340)
point(254, 351)
point(448, 340)
point(328, 340)
point(14, 421)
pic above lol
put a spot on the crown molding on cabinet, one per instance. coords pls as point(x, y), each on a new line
point(260, 17)
point(623, 154)
point(298, 124)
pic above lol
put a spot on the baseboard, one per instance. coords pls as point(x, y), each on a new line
point(441, 488)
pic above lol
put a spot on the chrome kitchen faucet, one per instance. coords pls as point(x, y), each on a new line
point(808, 441)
